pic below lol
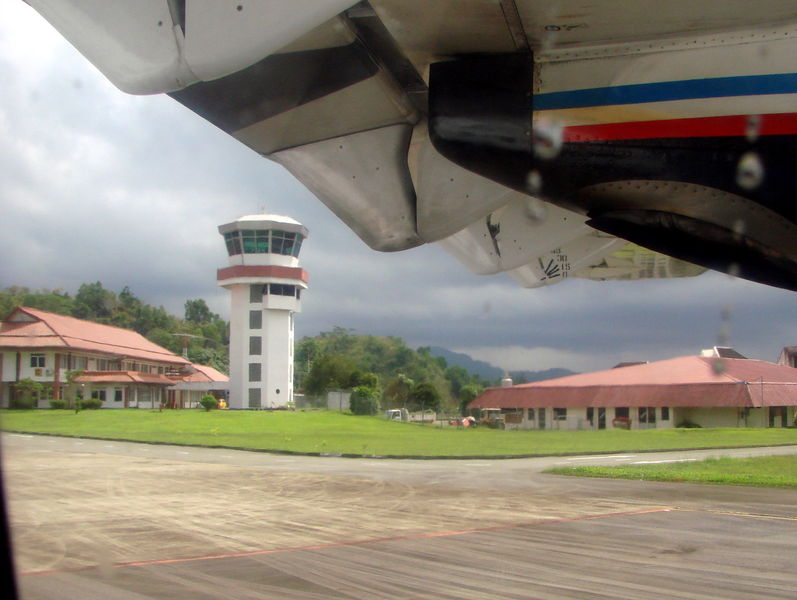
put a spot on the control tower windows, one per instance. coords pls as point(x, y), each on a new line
point(259, 241)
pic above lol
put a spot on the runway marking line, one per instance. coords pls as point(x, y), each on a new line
point(144, 563)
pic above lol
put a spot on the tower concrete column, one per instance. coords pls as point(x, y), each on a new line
point(266, 285)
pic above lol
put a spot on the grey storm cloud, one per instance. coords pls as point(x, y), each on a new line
point(96, 185)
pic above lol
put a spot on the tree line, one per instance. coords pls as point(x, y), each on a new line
point(203, 334)
point(382, 372)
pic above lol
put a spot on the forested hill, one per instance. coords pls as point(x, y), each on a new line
point(204, 332)
point(490, 372)
point(340, 358)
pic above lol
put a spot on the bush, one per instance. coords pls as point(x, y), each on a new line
point(58, 404)
point(687, 424)
point(208, 402)
point(26, 391)
point(22, 403)
point(364, 400)
point(89, 403)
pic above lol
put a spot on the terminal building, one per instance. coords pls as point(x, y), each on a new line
point(266, 285)
point(73, 358)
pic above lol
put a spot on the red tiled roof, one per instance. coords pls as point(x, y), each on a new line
point(122, 377)
point(50, 330)
point(205, 374)
point(684, 381)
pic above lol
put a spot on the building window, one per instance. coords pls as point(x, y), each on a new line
point(37, 360)
point(255, 371)
point(282, 289)
point(118, 394)
point(647, 414)
point(233, 241)
point(256, 292)
point(665, 413)
point(254, 397)
point(621, 412)
point(283, 242)
point(98, 394)
point(559, 414)
point(255, 319)
point(255, 241)
point(530, 414)
point(255, 345)
point(591, 415)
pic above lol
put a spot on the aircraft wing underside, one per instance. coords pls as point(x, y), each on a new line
point(545, 139)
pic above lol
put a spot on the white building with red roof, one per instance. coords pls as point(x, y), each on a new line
point(710, 391)
point(73, 357)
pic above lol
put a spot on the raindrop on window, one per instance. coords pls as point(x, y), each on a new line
point(547, 139)
point(734, 270)
point(718, 366)
point(753, 127)
point(534, 182)
point(749, 171)
point(536, 209)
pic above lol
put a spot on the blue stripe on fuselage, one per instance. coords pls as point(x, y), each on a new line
point(719, 87)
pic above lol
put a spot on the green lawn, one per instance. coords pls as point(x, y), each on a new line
point(765, 471)
point(336, 433)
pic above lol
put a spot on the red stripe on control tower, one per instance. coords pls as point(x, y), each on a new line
point(261, 271)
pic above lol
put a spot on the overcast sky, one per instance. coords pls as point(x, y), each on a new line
point(97, 185)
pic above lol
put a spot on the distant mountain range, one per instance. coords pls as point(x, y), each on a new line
point(492, 373)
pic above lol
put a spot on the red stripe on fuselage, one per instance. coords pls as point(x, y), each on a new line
point(735, 125)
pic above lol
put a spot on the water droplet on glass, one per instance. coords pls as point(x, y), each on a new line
point(734, 270)
point(749, 171)
point(534, 182)
point(536, 209)
point(739, 227)
point(753, 127)
point(718, 366)
point(546, 139)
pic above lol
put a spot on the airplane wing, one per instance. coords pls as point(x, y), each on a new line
point(533, 137)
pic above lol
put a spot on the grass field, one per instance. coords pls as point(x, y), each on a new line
point(765, 471)
point(340, 433)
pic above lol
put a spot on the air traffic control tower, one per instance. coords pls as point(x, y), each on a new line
point(265, 284)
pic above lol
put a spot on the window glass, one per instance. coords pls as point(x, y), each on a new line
point(233, 241)
point(254, 397)
point(255, 344)
point(283, 242)
point(255, 241)
point(118, 394)
point(256, 292)
point(255, 319)
point(559, 414)
point(99, 394)
point(621, 411)
point(254, 371)
point(665, 413)
point(297, 245)
point(37, 360)
point(531, 414)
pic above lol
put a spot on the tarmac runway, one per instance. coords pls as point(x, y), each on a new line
point(105, 520)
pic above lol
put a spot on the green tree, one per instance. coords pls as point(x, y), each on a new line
point(197, 311)
point(424, 395)
point(364, 400)
point(467, 394)
point(26, 391)
point(330, 371)
point(94, 302)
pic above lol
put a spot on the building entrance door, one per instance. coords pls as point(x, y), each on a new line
point(601, 418)
point(541, 418)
